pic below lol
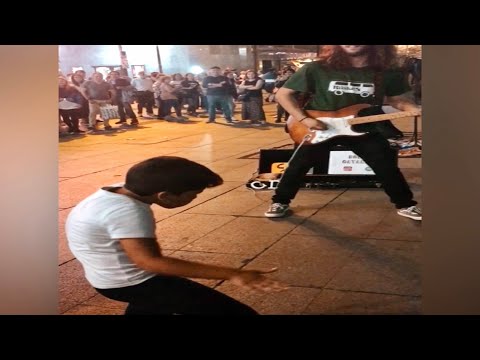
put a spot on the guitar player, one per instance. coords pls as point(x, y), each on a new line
point(346, 75)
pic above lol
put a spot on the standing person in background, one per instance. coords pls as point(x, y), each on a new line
point(98, 93)
point(269, 82)
point(69, 104)
point(144, 94)
point(123, 89)
point(252, 108)
point(191, 93)
point(278, 84)
point(232, 90)
point(169, 100)
point(217, 94)
point(77, 81)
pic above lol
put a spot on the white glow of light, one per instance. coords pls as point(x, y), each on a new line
point(165, 50)
point(196, 69)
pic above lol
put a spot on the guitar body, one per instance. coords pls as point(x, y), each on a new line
point(338, 123)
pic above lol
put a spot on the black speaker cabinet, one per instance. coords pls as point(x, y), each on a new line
point(336, 167)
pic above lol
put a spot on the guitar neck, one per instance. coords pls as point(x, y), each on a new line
point(382, 117)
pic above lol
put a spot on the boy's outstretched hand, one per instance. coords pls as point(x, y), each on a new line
point(255, 280)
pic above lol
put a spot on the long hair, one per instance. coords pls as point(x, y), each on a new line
point(380, 57)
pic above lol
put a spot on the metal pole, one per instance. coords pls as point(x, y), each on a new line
point(415, 131)
point(123, 61)
point(159, 59)
point(255, 59)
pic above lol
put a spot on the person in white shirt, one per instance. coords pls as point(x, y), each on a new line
point(112, 234)
point(144, 93)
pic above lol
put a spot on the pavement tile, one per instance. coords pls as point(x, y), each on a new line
point(395, 227)
point(332, 302)
point(360, 199)
point(183, 229)
point(292, 301)
point(235, 202)
point(382, 266)
point(93, 310)
point(100, 301)
point(245, 236)
point(73, 287)
point(341, 221)
point(307, 261)
point(64, 253)
point(74, 190)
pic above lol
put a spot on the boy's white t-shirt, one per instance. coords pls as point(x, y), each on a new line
point(93, 230)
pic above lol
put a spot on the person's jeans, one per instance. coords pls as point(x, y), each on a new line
point(222, 100)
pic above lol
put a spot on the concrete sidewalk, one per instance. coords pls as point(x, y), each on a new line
point(343, 251)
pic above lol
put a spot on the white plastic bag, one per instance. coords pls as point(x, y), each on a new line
point(109, 112)
point(64, 104)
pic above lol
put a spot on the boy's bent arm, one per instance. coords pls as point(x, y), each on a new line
point(146, 254)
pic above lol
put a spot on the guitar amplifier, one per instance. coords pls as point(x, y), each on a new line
point(336, 167)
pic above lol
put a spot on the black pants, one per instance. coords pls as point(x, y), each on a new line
point(374, 149)
point(192, 103)
point(145, 99)
point(281, 112)
point(168, 295)
point(71, 117)
point(167, 107)
point(125, 110)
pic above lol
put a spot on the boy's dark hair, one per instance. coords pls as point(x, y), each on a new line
point(169, 173)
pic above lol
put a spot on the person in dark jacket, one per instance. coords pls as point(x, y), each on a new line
point(69, 105)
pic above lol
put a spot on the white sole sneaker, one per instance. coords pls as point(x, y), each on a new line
point(410, 216)
point(279, 214)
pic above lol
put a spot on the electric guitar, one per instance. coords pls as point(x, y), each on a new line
point(339, 123)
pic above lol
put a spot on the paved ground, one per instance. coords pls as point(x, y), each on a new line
point(344, 251)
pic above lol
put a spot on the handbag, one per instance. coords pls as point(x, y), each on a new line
point(244, 97)
point(109, 112)
point(64, 104)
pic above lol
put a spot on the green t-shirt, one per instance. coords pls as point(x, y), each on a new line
point(335, 89)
